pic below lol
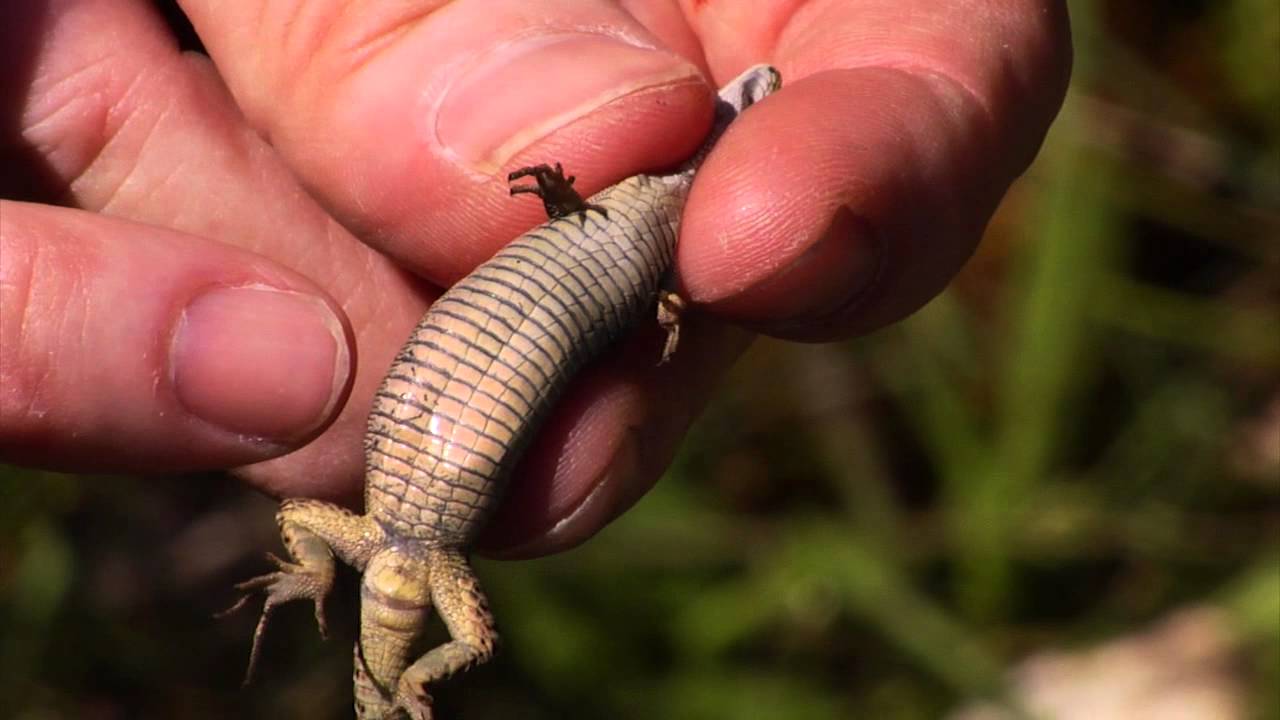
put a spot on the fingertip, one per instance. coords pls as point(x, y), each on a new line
point(133, 348)
point(843, 202)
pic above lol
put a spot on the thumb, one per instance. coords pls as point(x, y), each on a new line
point(124, 347)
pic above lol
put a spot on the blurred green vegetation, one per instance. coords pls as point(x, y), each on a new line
point(1079, 438)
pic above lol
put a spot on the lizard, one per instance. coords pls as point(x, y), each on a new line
point(459, 404)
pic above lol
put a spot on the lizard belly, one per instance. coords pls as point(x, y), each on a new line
point(475, 380)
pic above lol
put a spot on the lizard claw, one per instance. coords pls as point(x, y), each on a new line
point(414, 700)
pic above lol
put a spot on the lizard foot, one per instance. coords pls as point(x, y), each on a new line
point(414, 700)
point(291, 582)
point(557, 193)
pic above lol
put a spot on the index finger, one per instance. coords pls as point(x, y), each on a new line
point(405, 118)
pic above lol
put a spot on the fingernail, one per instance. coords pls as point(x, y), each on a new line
point(544, 83)
point(260, 361)
point(827, 278)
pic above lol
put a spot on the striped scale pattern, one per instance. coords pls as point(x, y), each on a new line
point(492, 355)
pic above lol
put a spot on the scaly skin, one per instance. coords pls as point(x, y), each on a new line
point(460, 403)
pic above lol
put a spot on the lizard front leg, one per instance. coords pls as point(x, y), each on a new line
point(670, 308)
point(312, 532)
point(556, 191)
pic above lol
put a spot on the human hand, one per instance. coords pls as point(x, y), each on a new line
point(199, 309)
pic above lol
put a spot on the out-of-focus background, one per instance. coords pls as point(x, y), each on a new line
point(1053, 493)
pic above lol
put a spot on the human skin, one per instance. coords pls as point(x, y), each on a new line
point(209, 262)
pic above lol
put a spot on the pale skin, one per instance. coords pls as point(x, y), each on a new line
point(242, 244)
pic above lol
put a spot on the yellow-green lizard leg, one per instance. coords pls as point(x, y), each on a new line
point(461, 604)
point(312, 532)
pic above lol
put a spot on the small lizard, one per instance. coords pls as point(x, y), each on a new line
point(459, 405)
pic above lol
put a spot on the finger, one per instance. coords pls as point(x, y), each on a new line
point(117, 120)
point(851, 197)
point(405, 117)
point(130, 348)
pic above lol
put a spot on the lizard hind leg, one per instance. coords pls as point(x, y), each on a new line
point(461, 604)
point(311, 577)
point(312, 532)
